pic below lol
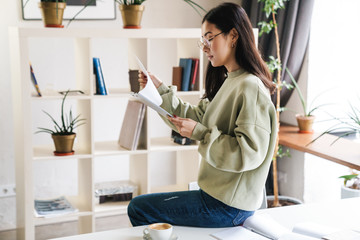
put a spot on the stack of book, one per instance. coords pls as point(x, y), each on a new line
point(186, 75)
point(180, 139)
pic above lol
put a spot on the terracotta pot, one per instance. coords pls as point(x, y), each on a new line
point(52, 13)
point(64, 144)
point(305, 123)
point(131, 15)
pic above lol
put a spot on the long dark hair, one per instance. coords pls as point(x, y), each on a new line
point(225, 17)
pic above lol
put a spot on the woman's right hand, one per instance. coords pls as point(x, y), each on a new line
point(143, 80)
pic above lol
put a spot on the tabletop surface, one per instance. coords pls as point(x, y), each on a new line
point(343, 151)
point(340, 214)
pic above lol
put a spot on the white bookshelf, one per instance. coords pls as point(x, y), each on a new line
point(145, 43)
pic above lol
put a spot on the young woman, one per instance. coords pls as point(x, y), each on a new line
point(235, 124)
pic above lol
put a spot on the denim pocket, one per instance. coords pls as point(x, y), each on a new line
point(241, 217)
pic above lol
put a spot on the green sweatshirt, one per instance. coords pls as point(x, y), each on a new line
point(237, 133)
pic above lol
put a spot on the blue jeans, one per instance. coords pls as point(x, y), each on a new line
point(187, 208)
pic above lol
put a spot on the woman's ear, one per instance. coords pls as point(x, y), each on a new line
point(234, 35)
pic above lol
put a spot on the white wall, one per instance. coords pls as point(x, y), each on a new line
point(158, 14)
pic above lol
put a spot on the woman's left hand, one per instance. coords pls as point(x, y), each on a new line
point(185, 126)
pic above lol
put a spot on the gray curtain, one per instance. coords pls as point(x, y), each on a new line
point(294, 30)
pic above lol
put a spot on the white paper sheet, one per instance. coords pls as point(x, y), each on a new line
point(265, 225)
point(149, 94)
point(313, 229)
point(236, 233)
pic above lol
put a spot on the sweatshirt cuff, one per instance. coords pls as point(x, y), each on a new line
point(199, 132)
point(163, 89)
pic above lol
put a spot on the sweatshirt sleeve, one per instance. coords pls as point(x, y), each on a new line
point(178, 107)
point(247, 150)
point(243, 149)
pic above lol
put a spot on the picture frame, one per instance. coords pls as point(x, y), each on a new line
point(100, 10)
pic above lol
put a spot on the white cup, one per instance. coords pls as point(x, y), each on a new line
point(159, 231)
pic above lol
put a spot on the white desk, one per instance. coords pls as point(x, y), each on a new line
point(341, 214)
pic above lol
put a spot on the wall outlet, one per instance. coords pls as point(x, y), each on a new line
point(7, 190)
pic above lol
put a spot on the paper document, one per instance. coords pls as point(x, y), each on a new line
point(149, 94)
point(237, 233)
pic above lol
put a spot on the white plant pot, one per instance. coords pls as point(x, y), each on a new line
point(349, 192)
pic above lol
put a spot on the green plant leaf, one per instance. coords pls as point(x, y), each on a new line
point(274, 64)
point(195, 6)
point(265, 27)
point(302, 99)
point(348, 177)
point(85, 6)
point(68, 122)
point(281, 153)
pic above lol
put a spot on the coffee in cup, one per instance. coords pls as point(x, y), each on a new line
point(159, 231)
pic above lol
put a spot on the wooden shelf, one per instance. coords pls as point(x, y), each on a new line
point(62, 218)
point(111, 208)
point(46, 153)
point(113, 148)
point(167, 144)
point(344, 152)
point(170, 188)
point(83, 43)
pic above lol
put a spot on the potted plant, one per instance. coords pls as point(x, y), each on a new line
point(345, 127)
point(63, 133)
point(270, 8)
point(351, 186)
point(132, 10)
point(52, 12)
point(306, 119)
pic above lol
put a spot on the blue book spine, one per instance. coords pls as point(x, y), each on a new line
point(100, 83)
point(186, 64)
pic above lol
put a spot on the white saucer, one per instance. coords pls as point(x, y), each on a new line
point(173, 237)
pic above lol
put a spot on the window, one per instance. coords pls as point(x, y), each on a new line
point(334, 57)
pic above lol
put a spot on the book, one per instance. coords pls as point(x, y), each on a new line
point(33, 79)
point(186, 64)
point(134, 80)
point(265, 227)
point(194, 74)
point(99, 77)
point(180, 139)
point(53, 207)
point(132, 124)
point(149, 94)
point(177, 77)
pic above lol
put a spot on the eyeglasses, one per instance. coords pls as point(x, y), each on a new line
point(203, 42)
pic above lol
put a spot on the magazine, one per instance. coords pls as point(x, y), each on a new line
point(149, 94)
point(53, 207)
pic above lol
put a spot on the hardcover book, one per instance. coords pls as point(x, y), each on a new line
point(100, 82)
point(186, 64)
point(33, 79)
point(132, 124)
point(134, 80)
point(177, 77)
point(194, 75)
